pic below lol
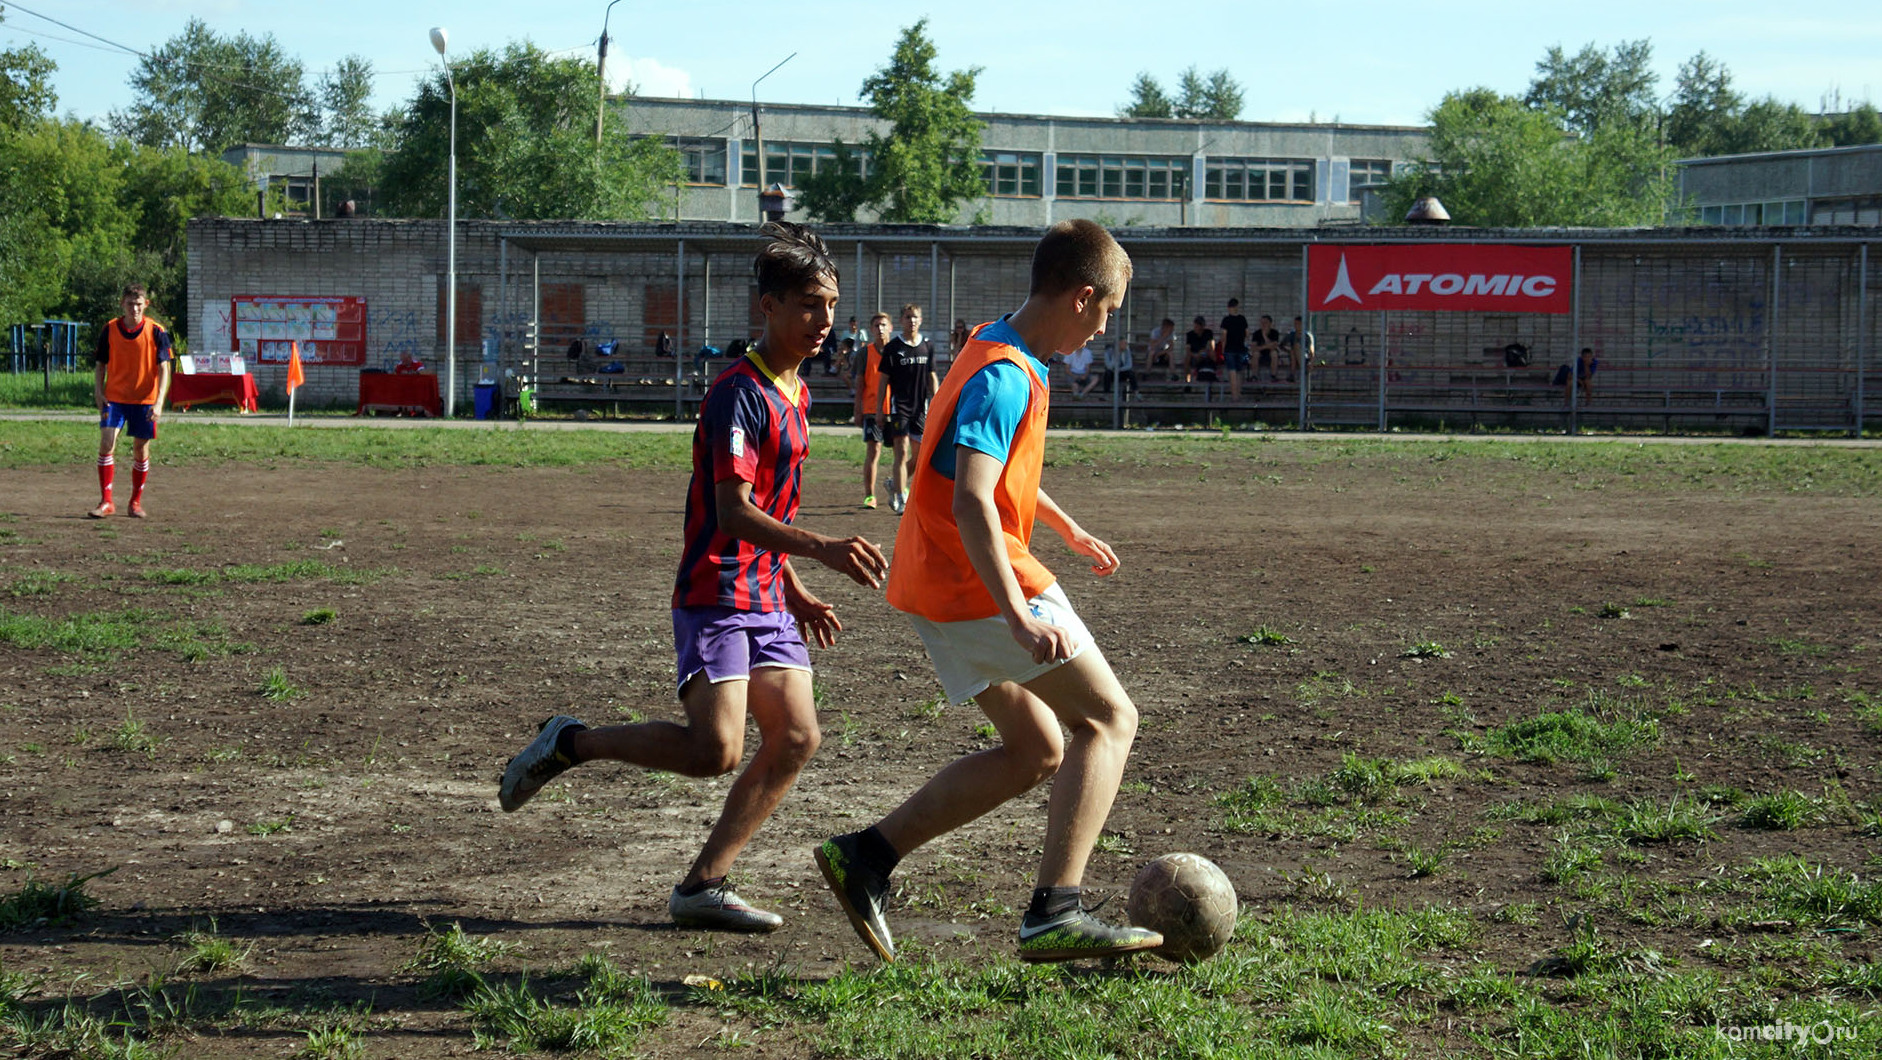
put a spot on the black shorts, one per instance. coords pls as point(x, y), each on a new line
point(904, 425)
point(872, 428)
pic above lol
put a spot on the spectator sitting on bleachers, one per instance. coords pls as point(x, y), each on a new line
point(1565, 376)
point(1158, 352)
point(1297, 348)
point(1120, 365)
point(1202, 355)
point(1079, 363)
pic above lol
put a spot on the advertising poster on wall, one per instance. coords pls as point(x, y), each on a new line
point(331, 329)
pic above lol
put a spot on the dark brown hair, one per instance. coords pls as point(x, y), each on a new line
point(1079, 253)
point(134, 290)
point(791, 259)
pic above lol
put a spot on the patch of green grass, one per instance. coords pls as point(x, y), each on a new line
point(1645, 821)
point(1604, 727)
point(1790, 888)
point(1780, 811)
point(273, 826)
point(319, 616)
point(1868, 712)
point(1267, 637)
point(209, 953)
point(1613, 610)
point(1357, 796)
point(335, 1041)
point(277, 687)
point(39, 583)
point(263, 574)
point(1570, 860)
point(453, 962)
point(605, 1019)
point(1428, 649)
point(47, 903)
point(94, 635)
point(1798, 646)
point(133, 738)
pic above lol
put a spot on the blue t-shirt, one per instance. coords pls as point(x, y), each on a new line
point(991, 405)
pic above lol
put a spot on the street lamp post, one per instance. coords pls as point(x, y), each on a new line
point(438, 40)
point(601, 71)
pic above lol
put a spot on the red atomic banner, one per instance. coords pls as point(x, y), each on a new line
point(1455, 276)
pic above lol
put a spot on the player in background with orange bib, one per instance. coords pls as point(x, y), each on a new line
point(996, 623)
point(871, 408)
point(130, 382)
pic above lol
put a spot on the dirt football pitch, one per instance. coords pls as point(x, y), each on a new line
point(1591, 697)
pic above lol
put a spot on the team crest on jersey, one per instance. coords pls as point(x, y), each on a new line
point(738, 441)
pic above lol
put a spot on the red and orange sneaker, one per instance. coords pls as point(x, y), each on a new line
point(104, 508)
point(137, 509)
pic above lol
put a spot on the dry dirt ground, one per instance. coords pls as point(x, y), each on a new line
point(329, 828)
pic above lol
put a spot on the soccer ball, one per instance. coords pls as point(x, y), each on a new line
point(1187, 899)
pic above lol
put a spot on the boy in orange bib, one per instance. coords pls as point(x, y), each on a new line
point(996, 623)
point(130, 381)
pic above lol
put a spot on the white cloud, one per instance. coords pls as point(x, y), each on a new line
point(650, 77)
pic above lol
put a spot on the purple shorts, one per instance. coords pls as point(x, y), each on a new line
point(728, 644)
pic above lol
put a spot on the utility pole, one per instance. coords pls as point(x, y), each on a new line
point(601, 72)
point(757, 125)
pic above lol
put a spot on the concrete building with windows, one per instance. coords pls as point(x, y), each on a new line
point(1825, 186)
point(1039, 169)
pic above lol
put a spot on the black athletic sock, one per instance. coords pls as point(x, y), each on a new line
point(1048, 902)
point(876, 851)
point(565, 741)
point(689, 890)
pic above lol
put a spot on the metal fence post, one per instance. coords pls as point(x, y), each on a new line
point(679, 328)
point(1770, 342)
point(1862, 329)
point(1574, 347)
point(1302, 357)
point(1385, 354)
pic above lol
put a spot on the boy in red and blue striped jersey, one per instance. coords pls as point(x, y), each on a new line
point(740, 613)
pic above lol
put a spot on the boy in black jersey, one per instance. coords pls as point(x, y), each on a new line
point(908, 382)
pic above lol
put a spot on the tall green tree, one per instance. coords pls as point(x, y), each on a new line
point(928, 164)
point(1498, 162)
point(1596, 87)
point(1709, 117)
point(1148, 100)
point(1860, 124)
point(203, 91)
point(525, 147)
point(1217, 97)
point(26, 93)
point(345, 93)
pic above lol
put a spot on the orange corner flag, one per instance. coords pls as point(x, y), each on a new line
point(295, 376)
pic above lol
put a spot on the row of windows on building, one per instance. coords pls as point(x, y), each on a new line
point(1785, 212)
point(1019, 174)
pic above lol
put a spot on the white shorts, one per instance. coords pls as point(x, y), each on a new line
point(974, 655)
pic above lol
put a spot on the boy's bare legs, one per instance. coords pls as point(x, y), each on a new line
point(781, 703)
point(1031, 750)
point(872, 456)
point(711, 743)
point(1083, 695)
point(900, 469)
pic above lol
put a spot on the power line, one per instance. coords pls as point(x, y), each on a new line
point(63, 40)
point(75, 29)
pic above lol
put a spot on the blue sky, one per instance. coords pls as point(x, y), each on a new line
point(1359, 61)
